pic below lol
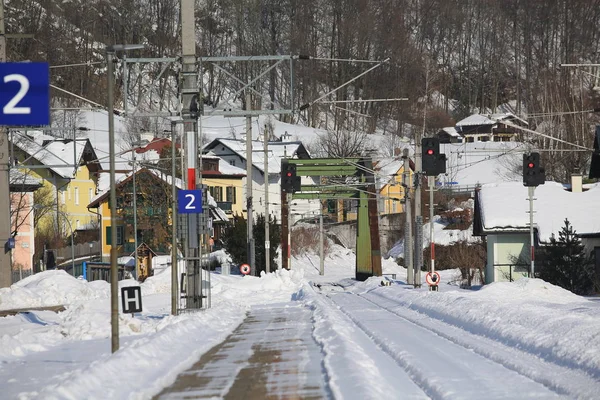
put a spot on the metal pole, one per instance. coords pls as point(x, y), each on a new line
point(191, 109)
point(114, 279)
point(174, 272)
point(408, 234)
point(321, 245)
point(249, 237)
point(72, 247)
point(267, 228)
point(135, 240)
point(531, 190)
point(431, 182)
point(289, 233)
point(5, 261)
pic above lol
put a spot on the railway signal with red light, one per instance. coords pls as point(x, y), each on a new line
point(433, 162)
point(290, 182)
point(533, 173)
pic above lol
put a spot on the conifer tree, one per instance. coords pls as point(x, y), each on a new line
point(235, 241)
point(566, 264)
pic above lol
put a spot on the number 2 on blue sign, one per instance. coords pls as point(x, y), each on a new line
point(189, 201)
point(24, 94)
point(190, 205)
point(10, 107)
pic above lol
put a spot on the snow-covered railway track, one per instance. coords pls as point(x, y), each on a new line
point(445, 367)
point(563, 379)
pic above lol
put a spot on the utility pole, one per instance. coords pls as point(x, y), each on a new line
point(191, 108)
point(135, 237)
point(114, 271)
point(5, 263)
point(408, 233)
point(174, 274)
point(267, 133)
point(321, 244)
point(249, 237)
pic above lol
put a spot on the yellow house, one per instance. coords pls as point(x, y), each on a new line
point(391, 191)
point(225, 184)
point(68, 170)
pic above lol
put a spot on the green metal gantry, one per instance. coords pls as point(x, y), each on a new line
point(368, 253)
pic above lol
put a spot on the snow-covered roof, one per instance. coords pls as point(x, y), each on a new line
point(165, 178)
point(19, 178)
point(493, 119)
point(277, 150)
point(451, 131)
point(224, 167)
point(386, 170)
point(475, 119)
point(122, 178)
point(61, 156)
point(505, 206)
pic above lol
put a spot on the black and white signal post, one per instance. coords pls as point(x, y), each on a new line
point(434, 164)
point(533, 175)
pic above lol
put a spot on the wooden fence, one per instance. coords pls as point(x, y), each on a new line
point(80, 250)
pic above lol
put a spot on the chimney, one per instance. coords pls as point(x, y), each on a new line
point(576, 183)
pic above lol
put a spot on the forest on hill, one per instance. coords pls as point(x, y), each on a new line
point(454, 56)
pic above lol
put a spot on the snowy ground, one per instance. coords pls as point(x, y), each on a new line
point(507, 340)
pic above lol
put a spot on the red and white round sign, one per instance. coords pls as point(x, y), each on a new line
point(432, 279)
point(245, 269)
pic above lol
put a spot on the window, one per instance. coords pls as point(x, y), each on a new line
point(62, 196)
point(77, 224)
point(230, 194)
point(232, 162)
point(91, 194)
point(76, 196)
point(108, 232)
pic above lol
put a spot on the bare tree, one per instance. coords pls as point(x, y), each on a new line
point(341, 143)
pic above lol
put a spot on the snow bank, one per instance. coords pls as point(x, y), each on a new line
point(50, 288)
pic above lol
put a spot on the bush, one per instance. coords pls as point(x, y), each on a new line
point(468, 258)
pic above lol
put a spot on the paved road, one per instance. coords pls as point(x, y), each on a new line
point(272, 354)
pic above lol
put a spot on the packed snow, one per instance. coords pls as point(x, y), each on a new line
point(540, 336)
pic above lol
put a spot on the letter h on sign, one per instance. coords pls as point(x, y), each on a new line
point(131, 299)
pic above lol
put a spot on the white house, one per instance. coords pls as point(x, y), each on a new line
point(502, 215)
point(234, 152)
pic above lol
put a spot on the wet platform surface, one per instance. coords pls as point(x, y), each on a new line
point(271, 355)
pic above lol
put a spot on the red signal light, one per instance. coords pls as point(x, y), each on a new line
point(289, 174)
point(430, 152)
point(530, 165)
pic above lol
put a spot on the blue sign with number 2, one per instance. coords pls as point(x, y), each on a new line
point(189, 202)
point(24, 94)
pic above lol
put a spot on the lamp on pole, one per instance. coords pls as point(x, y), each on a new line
point(114, 281)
